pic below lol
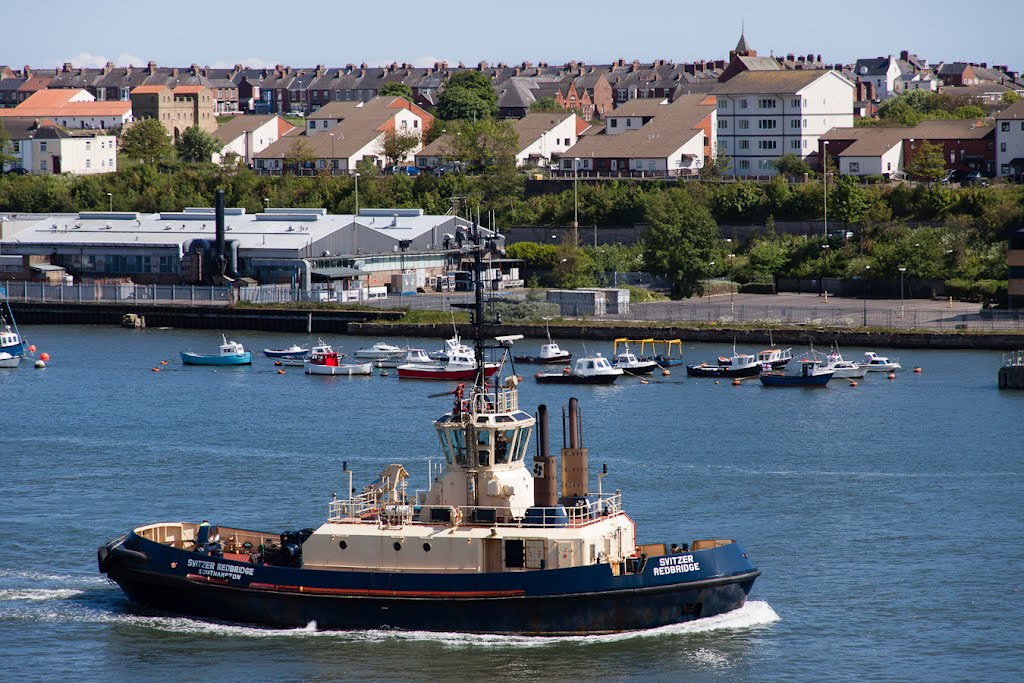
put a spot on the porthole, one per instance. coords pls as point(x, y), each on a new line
point(342, 544)
point(426, 547)
point(398, 546)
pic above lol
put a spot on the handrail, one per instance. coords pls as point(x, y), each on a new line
point(362, 510)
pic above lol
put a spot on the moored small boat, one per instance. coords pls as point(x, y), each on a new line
point(10, 339)
point(412, 355)
point(231, 353)
point(627, 361)
point(323, 360)
point(9, 361)
point(812, 374)
point(550, 354)
point(293, 351)
point(380, 351)
point(844, 369)
point(588, 370)
point(875, 363)
point(461, 366)
point(737, 365)
point(777, 358)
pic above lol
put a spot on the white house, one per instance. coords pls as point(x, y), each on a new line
point(360, 135)
point(73, 109)
point(1010, 141)
point(245, 136)
point(48, 150)
point(867, 151)
point(765, 114)
point(543, 136)
point(676, 139)
point(883, 72)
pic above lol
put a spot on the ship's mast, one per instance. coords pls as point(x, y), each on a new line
point(478, 314)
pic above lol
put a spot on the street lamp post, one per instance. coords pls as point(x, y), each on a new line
point(575, 199)
point(732, 290)
point(902, 271)
point(824, 186)
point(110, 201)
point(332, 153)
point(708, 289)
point(266, 203)
point(357, 194)
point(824, 271)
point(866, 269)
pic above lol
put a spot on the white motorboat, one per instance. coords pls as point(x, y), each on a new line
point(775, 357)
point(380, 351)
point(588, 370)
point(453, 346)
point(418, 356)
point(875, 363)
point(846, 369)
point(627, 361)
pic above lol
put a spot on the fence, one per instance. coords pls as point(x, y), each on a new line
point(851, 313)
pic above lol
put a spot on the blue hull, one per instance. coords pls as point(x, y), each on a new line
point(199, 359)
point(668, 589)
point(20, 349)
point(795, 381)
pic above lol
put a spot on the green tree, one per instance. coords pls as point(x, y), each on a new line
point(848, 201)
point(574, 268)
point(927, 162)
point(468, 96)
point(6, 148)
point(791, 164)
point(301, 155)
point(679, 241)
point(485, 144)
point(397, 89)
point(147, 141)
point(196, 145)
point(767, 257)
point(545, 104)
point(396, 145)
point(1009, 97)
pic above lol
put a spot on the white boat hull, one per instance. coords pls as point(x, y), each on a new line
point(347, 369)
point(9, 361)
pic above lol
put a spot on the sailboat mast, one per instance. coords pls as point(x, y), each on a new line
point(478, 317)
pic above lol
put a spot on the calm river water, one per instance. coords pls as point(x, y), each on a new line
point(886, 517)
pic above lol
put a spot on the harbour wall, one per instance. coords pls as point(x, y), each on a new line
point(199, 317)
point(384, 324)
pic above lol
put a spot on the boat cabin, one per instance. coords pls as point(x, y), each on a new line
point(231, 348)
point(323, 354)
point(592, 365)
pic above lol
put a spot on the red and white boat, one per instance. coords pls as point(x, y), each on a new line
point(323, 360)
point(461, 365)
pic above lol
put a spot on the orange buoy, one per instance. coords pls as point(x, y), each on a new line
point(665, 372)
point(280, 372)
point(163, 362)
point(277, 362)
point(32, 348)
point(156, 369)
point(892, 375)
point(44, 356)
point(736, 382)
point(716, 381)
point(917, 369)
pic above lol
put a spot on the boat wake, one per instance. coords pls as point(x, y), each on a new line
point(753, 614)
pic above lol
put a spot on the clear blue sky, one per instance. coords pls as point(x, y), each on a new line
point(264, 32)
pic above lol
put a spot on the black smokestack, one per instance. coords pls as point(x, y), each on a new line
point(218, 211)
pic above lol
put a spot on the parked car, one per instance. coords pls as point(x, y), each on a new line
point(953, 175)
point(406, 170)
point(18, 171)
point(450, 167)
point(975, 178)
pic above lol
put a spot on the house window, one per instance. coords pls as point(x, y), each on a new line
point(1004, 169)
point(744, 124)
point(744, 164)
point(766, 124)
point(795, 123)
point(854, 167)
point(650, 165)
point(744, 144)
point(42, 165)
point(42, 146)
point(629, 123)
point(743, 104)
point(765, 164)
point(795, 144)
point(796, 102)
point(723, 123)
point(405, 125)
point(416, 124)
point(1002, 146)
point(88, 163)
point(17, 146)
point(724, 104)
point(767, 144)
point(614, 123)
point(765, 103)
point(1005, 127)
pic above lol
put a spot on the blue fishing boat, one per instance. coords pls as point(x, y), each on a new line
point(10, 339)
point(811, 374)
point(293, 352)
point(231, 353)
point(496, 544)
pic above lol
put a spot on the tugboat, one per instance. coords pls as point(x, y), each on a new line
point(494, 546)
